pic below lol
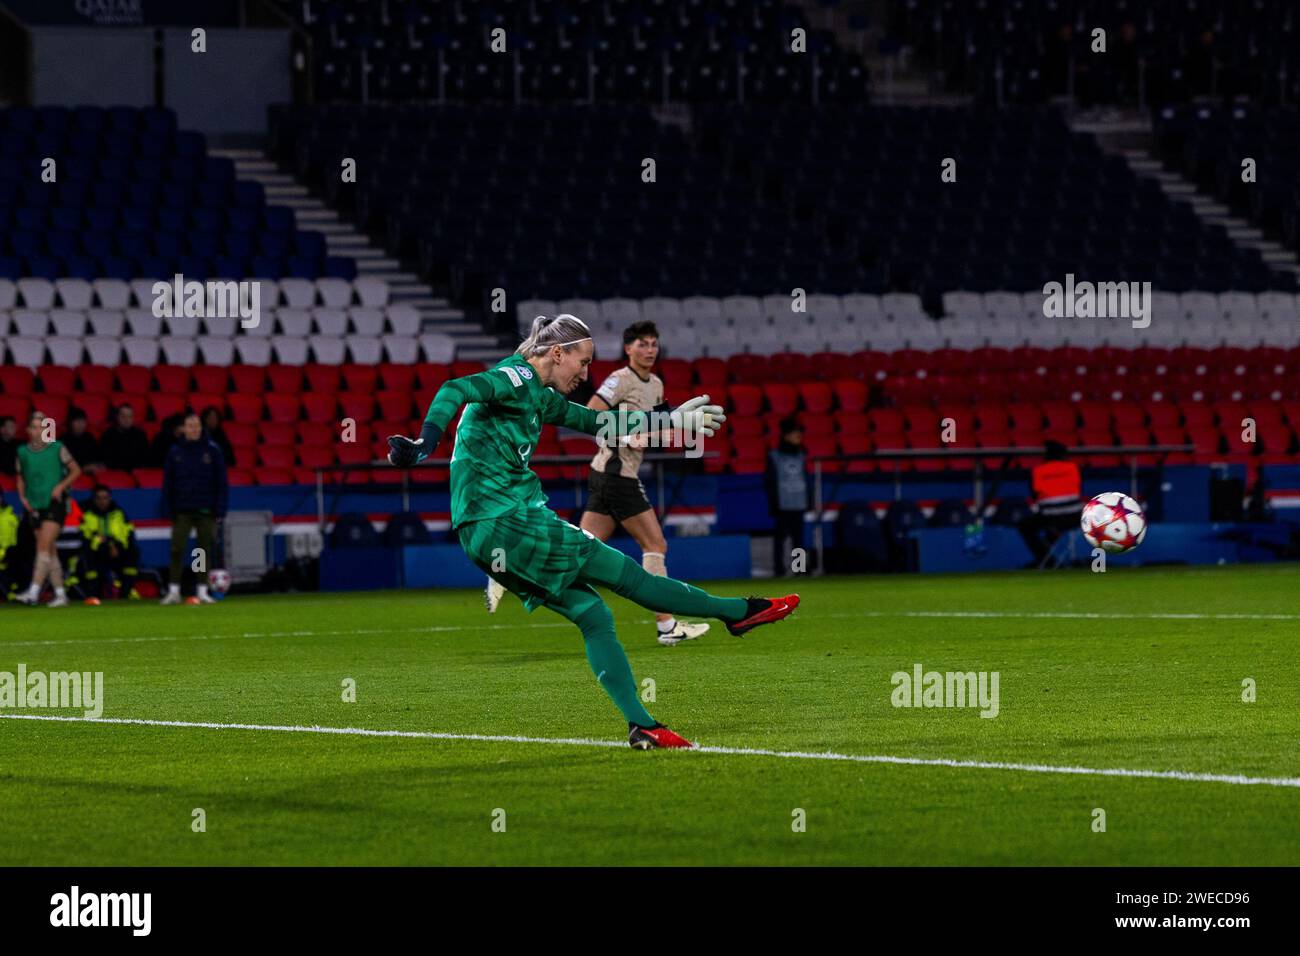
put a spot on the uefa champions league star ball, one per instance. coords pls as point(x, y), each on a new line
point(1113, 522)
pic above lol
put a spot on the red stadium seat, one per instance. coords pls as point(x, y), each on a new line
point(431, 375)
point(323, 456)
point(283, 408)
point(148, 477)
point(782, 399)
point(246, 408)
point(95, 379)
point(397, 378)
point(460, 369)
point(745, 400)
point(850, 394)
point(250, 379)
point(57, 378)
point(355, 453)
point(240, 477)
point(240, 434)
point(216, 379)
point(172, 379)
point(116, 480)
point(276, 433)
point(820, 425)
point(887, 422)
point(285, 379)
point(276, 456)
point(134, 378)
point(395, 404)
point(816, 397)
point(822, 446)
point(748, 369)
point(274, 476)
point(315, 433)
point(163, 405)
point(851, 423)
point(674, 372)
point(857, 444)
point(360, 378)
point(17, 380)
point(320, 406)
point(322, 378)
point(96, 407)
point(992, 417)
point(710, 372)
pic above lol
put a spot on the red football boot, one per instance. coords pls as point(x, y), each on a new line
point(650, 738)
point(764, 611)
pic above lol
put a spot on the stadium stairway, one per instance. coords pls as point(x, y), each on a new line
point(342, 239)
point(1211, 211)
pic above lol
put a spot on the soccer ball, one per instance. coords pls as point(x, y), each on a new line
point(219, 581)
point(1113, 522)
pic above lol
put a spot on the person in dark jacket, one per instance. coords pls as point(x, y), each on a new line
point(81, 443)
point(194, 494)
point(212, 425)
point(124, 446)
point(787, 493)
point(8, 445)
point(170, 432)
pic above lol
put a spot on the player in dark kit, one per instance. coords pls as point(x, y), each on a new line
point(500, 513)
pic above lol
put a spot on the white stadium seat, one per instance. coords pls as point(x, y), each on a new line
point(365, 349)
point(143, 323)
point(367, 320)
point(294, 322)
point(65, 350)
point(334, 293)
point(36, 293)
point(401, 349)
point(298, 293)
point(217, 350)
point(27, 351)
point(69, 322)
point(371, 293)
point(253, 351)
point(141, 349)
point(106, 322)
point(74, 293)
point(222, 326)
point(292, 350)
point(331, 322)
point(179, 349)
point(404, 319)
point(31, 323)
point(8, 295)
point(438, 347)
point(620, 313)
point(112, 293)
point(183, 326)
point(662, 311)
point(104, 350)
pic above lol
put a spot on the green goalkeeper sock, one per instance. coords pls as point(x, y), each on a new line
point(615, 570)
point(609, 663)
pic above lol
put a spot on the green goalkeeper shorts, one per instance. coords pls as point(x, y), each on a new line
point(531, 552)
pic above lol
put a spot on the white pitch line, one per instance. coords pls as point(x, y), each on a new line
point(1183, 775)
point(1076, 615)
point(978, 615)
point(256, 634)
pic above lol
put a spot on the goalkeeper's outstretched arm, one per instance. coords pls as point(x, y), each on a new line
point(479, 387)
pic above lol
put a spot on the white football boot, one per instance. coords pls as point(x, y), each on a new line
point(684, 631)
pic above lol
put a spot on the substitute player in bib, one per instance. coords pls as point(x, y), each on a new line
point(499, 510)
point(45, 473)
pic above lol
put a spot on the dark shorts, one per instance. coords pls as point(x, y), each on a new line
point(620, 498)
point(56, 511)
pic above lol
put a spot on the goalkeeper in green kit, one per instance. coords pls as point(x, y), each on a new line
point(499, 510)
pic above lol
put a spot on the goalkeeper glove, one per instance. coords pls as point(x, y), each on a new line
point(405, 453)
point(696, 414)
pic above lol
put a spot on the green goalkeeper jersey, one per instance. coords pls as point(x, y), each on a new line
point(506, 407)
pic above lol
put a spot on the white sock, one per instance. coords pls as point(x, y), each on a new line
point(668, 625)
point(33, 592)
point(174, 589)
point(60, 593)
point(202, 590)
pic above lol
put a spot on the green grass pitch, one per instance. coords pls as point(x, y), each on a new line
point(1133, 669)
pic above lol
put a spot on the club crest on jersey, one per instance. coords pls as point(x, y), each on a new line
point(524, 370)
